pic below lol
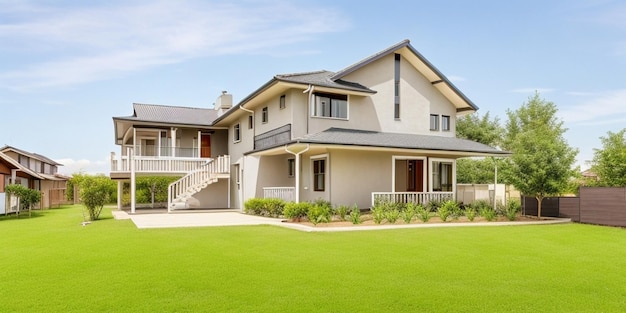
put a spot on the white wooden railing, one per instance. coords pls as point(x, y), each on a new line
point(415, 197)
point(284, 193)
point(149, 164)
point(198, 179)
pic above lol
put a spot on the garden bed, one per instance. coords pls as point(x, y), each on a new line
point(367, 220)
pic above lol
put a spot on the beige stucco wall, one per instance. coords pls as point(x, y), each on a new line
point(214, 196)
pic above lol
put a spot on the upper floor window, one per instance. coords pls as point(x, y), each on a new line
point(291, 167)
point(250, 122)
point(236, 133)
point(445, 123)
point(282, 104)
point(329, 105)
point(434, 122)
point(264, 115)
point(396, 98)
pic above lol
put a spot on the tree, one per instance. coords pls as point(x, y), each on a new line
point(609, 163)
point(156, 186)
point(486, 131)
point(541, 164)
point(95, 192)
point(28, 197)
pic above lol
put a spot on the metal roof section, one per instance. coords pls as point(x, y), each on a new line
point(436, 78)
point(322, 79)
point(166, 114)
point(19, 166)
point(353, 137)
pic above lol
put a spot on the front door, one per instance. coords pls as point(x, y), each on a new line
point(205, 146)
point(415, 175)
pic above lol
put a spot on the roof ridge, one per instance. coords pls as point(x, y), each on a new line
point(303, 73)
point(170, 106)
point(373, 57)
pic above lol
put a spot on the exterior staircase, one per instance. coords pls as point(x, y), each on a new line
point(182, 190)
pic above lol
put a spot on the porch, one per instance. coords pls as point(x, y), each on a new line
point(154, 164)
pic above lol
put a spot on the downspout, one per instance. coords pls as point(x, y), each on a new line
point(242, 164)
point(297, 155)
point(308, 113)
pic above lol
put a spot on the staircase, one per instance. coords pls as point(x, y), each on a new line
point(180, 191)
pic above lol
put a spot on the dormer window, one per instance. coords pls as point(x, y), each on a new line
point(330, 105)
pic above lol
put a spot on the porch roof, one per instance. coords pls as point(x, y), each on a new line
point(374, 139)
point(171, 115)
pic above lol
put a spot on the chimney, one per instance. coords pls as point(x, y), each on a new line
point(223, 103)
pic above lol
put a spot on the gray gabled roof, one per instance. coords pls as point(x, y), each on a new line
point(171, 115)
point(353, 137)
point(19, 166)
point(323, 79)
point(31, 155)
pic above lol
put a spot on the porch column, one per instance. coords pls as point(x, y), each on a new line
point(173, 132)
point(132, 182)
point(119, 194)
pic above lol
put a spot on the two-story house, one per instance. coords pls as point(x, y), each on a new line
point(33, 171)
point(381, 128)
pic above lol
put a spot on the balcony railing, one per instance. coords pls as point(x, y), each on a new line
point(414, 197)
point(284, 193)
point(155, 164)
point(165, 151)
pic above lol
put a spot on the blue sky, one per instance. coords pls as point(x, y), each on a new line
point(68, 67)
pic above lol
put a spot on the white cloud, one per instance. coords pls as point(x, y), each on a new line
point(71, 166)
point(606, 108)
point(532, 90)
point(82, 44)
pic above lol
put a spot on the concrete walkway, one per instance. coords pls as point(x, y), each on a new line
point(164, 220)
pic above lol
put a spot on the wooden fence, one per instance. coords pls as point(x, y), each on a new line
point(594, 205)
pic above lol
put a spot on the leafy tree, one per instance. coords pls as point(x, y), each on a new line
point(95, 192)
point(541, 164)
point(486, 131)
point(155, 186)
point(28, 197)
point(609, 163)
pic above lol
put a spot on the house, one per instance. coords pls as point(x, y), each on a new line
point(31, 170)
point(382, 128)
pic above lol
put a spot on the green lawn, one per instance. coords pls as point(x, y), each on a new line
point(51, 263)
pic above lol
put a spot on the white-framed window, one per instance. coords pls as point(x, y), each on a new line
point(330, 105)
point(396, 101)
point(442, 175)
point(291, 167)
point(319, 167)
point(434, 122)
point(281, 103)
point(264, 115)
point(445, 122)
point(236, 133)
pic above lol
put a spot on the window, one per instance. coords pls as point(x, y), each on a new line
point(396, 101)
point(319, 175)
point(250, 122)
point(237, 175)
point(291, 167)
point(434, 122)
point(264, 116)
point(281, 104)
point(442, 176)
point(236, 133)
point(327, 105)
point(445, 123)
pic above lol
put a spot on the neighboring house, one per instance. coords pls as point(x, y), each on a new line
point(31, 170)
point(383, 128)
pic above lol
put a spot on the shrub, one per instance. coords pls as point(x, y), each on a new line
point(28, 197)
point(481, 204)
point(342, 211)
point(511, 208)
point(273, 207)
point(422, 212)
point(355, 215)
point(488, 213)
point(296, 211)
point(392, 215)
point(378, 213)
point(95, 192)
point(470, 213)
point(318, 213)
point(433, 205)
point(253, 206)
point(409, 212)
point(447, 208)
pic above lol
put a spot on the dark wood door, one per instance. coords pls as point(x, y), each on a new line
point(415, 175)
point(205, 146)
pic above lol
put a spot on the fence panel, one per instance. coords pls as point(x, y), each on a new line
point(549, 206)
point(603, 205)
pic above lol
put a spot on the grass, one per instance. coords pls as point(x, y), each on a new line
point(51, 263)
